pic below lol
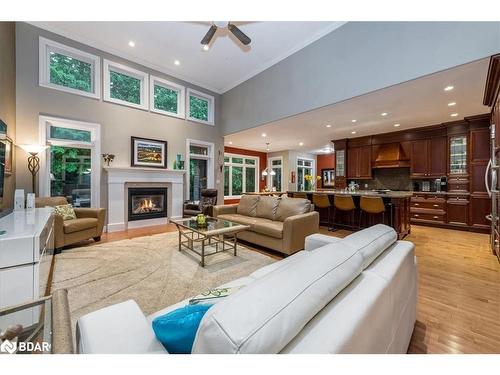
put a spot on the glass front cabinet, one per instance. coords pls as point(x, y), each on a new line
point(458, 155)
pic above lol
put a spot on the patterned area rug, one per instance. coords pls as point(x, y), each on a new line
point(149, 270)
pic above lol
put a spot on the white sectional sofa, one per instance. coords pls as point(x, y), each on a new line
point(351, 295)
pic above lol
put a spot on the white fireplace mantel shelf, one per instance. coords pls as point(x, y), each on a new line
point(118, 177)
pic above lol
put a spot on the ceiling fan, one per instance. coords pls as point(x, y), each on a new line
point(240, 35)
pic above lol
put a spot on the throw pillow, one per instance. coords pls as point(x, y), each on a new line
point(66, 211)
point(177, 329)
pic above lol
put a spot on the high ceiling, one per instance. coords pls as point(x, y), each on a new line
point(225, 65)
point(412, 104)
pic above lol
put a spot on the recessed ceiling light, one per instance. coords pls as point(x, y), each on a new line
point(328, 126)
point(452, 104)
point(230, 142)
point(383, 114)
point(397, 125)
point(177, 62)
point(448, 88)
point(301, 143)
point(206, 47)
point(454, 115)
point(264, 134)
point(354, 120)
point(353, 132)
point(131, 43)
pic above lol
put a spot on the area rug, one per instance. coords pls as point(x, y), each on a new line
point(150, 270)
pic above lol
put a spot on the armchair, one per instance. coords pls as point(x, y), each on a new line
point(89, 223)
point(205, 206)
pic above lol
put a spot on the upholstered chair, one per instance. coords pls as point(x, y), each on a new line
point(89, 223)
point(205, 206)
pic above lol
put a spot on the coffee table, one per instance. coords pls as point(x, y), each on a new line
point(216, 236)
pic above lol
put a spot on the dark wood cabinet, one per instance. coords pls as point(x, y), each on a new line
point(479, 208)
point(428, 158)
point(359, 162)
point(457, 210)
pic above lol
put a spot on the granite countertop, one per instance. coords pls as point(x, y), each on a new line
point(389, 194)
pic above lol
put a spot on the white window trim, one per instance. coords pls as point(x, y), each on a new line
point(44, 123)
point(211, 106)
point(181, 96)
point(209, 158)
point(270, 168)
point(45, 46)
point(230, 164)
point(123, 69)
point(297, 166)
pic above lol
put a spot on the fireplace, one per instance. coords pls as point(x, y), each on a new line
point(147, 203)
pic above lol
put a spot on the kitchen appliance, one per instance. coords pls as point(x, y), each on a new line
point(440, 184)
point(491, 182)
point(426, 186)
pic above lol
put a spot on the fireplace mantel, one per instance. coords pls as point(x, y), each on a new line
point(119, 177)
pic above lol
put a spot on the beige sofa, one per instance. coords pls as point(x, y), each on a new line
point(281, 224)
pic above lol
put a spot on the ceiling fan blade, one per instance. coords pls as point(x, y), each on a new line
point(239, 34)
point(209, 35)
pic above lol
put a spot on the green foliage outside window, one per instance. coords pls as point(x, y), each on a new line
point(237, 180)
point(165, 99)
point(198, 108)
point(69, 72)
point(226, 180)
point(69, 168)
point(124, 87)
point(69, 134)
point(250, 179)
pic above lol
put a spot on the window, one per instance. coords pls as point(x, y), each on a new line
point(275, 181)
point(304, 167)
point(68, 69)
point(167, 97)
point(124, 85)
point(201, 167)
point(240, 175)
point(71, 165)
point(200, 107)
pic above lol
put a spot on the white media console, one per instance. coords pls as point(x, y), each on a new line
point(26, 251)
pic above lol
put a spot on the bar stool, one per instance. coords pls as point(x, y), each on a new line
point(343, 203)
point(322, 201)
point(300, 195)
point(371, 205)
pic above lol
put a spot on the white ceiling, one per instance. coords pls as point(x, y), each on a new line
point(227, 63)
point(417, 103)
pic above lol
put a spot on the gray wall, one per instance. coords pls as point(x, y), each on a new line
point(290, 164)
point(8, 98)
point(118, 123)
point(355, 59)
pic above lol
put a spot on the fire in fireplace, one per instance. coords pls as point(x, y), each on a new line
point(147, 203)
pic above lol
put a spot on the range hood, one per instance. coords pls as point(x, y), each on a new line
point(391, 155)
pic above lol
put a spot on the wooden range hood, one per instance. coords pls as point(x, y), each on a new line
point(391, 155)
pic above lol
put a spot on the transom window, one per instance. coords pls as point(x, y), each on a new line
point(304, 167)
point(68, 69)
point(167, 97)
point(200, 107)
point(240, 175)
point(124, 85)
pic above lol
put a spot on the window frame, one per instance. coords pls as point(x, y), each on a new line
point(211, 105)
point(44, 123)
point(230, 164)
point(312, 168)
point(181, 96)
point(210, 161)
point(45, 46)
point(109, 66)
point(270, 168)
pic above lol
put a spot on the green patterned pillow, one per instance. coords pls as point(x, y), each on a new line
point(66, 211)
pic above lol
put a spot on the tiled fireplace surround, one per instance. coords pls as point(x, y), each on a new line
point(119, 180)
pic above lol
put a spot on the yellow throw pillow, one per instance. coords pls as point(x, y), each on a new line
point(66, 211)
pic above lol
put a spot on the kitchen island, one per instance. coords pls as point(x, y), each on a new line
point(397, 215)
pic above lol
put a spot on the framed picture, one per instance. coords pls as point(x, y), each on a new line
point(8, 156)
point(328, 177)
point(148, 153)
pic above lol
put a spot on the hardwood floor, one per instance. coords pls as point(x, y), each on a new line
point(459, 288)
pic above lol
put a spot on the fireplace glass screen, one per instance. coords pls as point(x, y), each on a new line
point(147, 203)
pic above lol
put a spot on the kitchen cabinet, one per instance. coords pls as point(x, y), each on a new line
point(359, 162)
point(457, 210)
point(428, 158)
point(458, 155)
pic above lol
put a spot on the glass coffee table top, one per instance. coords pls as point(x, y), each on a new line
point(212, 226)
